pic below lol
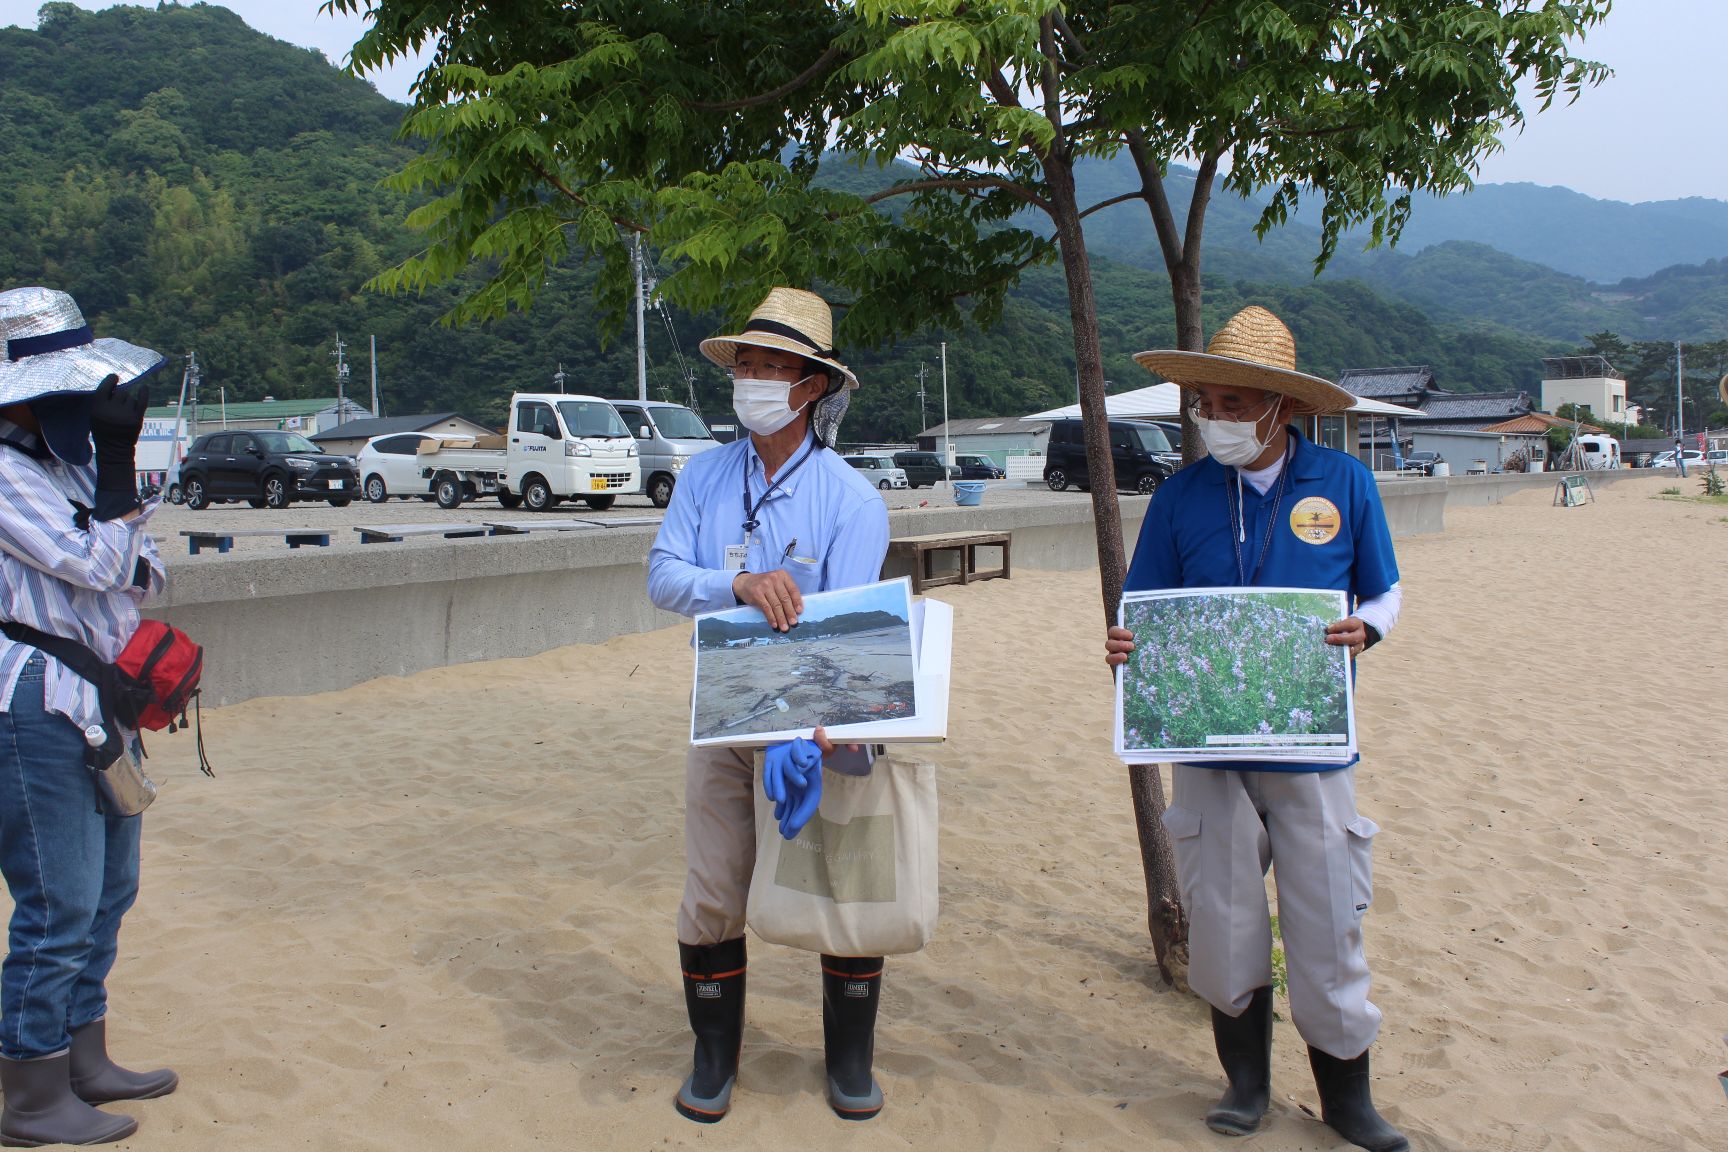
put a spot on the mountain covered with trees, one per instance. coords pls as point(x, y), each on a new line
point(199, 185)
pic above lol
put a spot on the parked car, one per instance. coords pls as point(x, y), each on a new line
point(1140, 451)
point(923, 468)
point(265, 469)
point(667, 435)
point(879, 469)
point(979, 468)
point(1173, 433)
point(171, 490)
point(1424, 461)
point(1693, 458)
point(389, 466)
point(1716, 458)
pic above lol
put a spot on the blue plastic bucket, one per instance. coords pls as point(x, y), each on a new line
point(968, 493)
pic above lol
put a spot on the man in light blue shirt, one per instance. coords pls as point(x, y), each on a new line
point(764, 521)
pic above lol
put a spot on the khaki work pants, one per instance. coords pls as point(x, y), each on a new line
point(1227, 828)
point(719, 843)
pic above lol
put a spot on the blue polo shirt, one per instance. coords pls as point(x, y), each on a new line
point(1330, 532)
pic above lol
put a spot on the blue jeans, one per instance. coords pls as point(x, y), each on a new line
point(72, 872)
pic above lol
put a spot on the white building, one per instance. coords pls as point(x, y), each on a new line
point(1589, 381)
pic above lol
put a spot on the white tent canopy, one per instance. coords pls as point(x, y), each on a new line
point(1165, 400)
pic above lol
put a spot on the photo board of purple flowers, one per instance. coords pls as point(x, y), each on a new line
point(1235, 674)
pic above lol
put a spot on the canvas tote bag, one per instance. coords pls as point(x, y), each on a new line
point(860, 879)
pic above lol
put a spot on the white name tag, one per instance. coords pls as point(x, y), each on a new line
point(735, 557)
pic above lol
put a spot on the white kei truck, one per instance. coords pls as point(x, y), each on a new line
point(556, 447)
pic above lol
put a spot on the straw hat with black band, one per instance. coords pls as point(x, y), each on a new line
point(50, 360)
point(1252, 350)
point(793, 320)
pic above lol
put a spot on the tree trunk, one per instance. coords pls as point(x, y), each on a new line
point(1163, 903)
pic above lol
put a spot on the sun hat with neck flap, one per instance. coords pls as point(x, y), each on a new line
point(802, 323)
point(1252, 350)
point(50, 360)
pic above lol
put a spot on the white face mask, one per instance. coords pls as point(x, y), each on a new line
point(1234, 442)
point(762, 405)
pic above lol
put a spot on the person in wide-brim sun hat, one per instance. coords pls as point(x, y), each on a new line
point(1252, 350)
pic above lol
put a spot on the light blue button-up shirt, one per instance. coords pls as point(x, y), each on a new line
point(825, 524)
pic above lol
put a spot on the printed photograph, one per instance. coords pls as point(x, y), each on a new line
point(1234, 671)
point(847, 661)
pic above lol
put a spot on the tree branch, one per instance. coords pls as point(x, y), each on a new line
point(627, 225)
point(1103, 204)
point(1152, 187)
point(1052, 87)
point(1201, 198)
point(960, 184)
point(822, 64)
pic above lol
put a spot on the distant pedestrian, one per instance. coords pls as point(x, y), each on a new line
point(75, 563)
point(1680, 456)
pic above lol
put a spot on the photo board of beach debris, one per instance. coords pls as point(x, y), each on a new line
point(1235, 674)
point(848, 660)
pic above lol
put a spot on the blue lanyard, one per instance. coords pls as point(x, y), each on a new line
point(750, 510)
point(1238, 528)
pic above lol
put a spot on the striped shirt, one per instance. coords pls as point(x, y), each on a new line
point(60, 578)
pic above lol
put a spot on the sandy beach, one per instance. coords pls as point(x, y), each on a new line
point(437, 911)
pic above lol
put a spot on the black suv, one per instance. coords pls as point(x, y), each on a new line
point(922, 468)
point(266, 469)
point(1140, 450)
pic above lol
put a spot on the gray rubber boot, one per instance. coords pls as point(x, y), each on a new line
point(41, 1109)
point(851, 989)
point(1244, 1046)
point(714, 997)
point(98, 1080)
point(1347, 1105)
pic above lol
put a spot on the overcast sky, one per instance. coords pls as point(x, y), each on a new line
point(1656, 131)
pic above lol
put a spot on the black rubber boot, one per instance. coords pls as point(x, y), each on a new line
point(714, 997)
point(1347, 1104)
point(41, 1109)
point(851, 988)
point(98, 1080)
point(1245, 1050)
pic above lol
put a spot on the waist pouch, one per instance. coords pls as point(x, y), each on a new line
point(149, 687)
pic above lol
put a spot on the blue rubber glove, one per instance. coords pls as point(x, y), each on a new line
point(801, 806)
point(787, 765)
point(792, 779)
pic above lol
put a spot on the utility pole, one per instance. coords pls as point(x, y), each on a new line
point(947, 445)
point(559, 377)
point(641, 339)
point(374, 340)
point(1679, 394)
point(923, 417)
point(339, 355)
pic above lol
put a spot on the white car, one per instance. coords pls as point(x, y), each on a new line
point(1693, 458)
point(880, 470)
point(389, 465)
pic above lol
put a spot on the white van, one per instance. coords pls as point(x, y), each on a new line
point(667, 435)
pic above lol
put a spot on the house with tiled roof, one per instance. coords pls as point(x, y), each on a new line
point(1407, 385)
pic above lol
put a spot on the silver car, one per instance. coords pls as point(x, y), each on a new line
point(881, 470)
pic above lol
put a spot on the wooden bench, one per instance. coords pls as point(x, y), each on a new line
point(390, 533)
point(921, 551)
point(196, 541)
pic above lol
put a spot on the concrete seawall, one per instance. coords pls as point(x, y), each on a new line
point(319, 620)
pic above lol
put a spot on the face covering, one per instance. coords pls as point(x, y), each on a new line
point(762, 404)
point(1233, 442)
point(65, 423)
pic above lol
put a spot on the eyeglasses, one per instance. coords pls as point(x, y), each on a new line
point(1200, 409)
point(758, 370)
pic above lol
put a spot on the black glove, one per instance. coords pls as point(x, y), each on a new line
point(116, 420)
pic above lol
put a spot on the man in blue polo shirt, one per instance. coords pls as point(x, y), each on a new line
point(765, 521)
point(1268, 507)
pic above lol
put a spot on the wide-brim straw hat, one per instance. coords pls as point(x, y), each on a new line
point(1253, 350)
point(788, 320)
point(47, 349)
